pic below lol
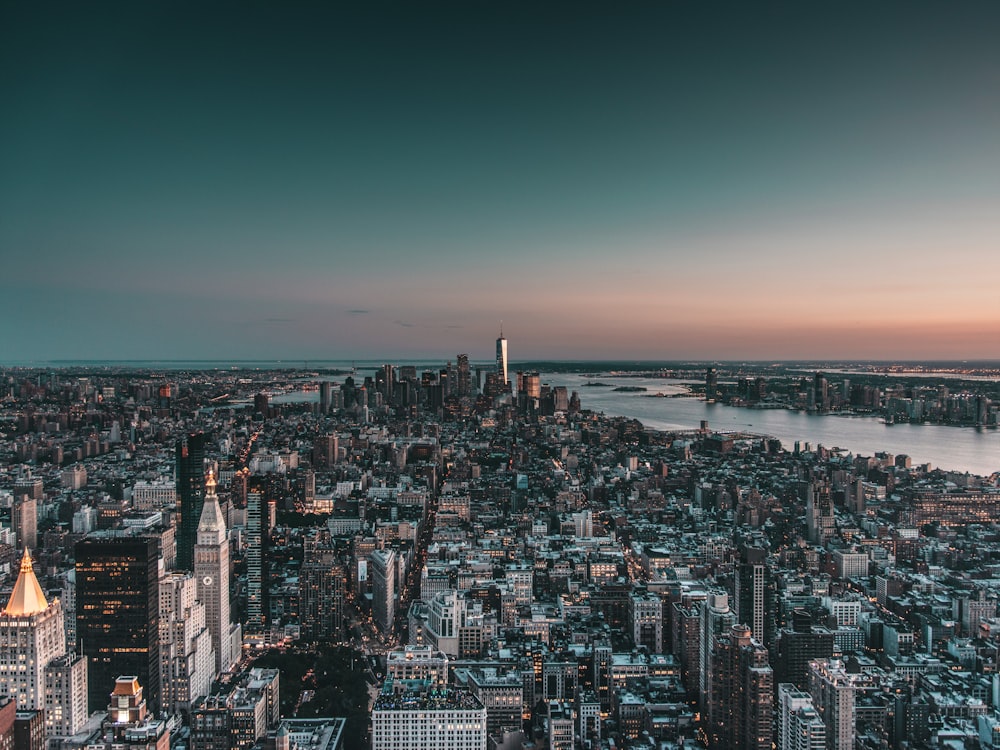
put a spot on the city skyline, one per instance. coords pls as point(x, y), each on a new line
point(670, 182)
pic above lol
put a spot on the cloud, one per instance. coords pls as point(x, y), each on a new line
point(359, 312)
point(405, 325)
point(279, 320)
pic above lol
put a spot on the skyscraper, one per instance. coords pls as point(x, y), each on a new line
point(755, 593)
point(118, 614)
point(502, 358)
point(31, 636)
point(322, 583)
point(382, 571)
point(833, 689)
point(191, 488)
point(799, 724)
point(24, 519)
point(187, 658)
point(716, 619)
point(464, 376)
point(742, 693)
point(211, 570)
point(258, 535)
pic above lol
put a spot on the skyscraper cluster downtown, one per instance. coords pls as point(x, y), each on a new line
point(465, 557)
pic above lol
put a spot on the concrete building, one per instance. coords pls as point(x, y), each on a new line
point(415, 720)
point(211, 575)
point(32, 635)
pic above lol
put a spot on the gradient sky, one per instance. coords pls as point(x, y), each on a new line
point(645, 180)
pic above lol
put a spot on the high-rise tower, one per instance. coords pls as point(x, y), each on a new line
point(118, 614)
point(502, 357)
point(382, 571)
point(755, 593)
point(191, 488)
point(258, 535)
point(211, 570)
point(31, 636)
point(739, 716)
point(716, 619)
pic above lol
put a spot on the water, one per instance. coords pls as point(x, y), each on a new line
point(952, 448)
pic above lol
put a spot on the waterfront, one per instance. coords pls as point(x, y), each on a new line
point(962, 449)
point(953, 448)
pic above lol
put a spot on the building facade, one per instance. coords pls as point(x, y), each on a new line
point(118, 614)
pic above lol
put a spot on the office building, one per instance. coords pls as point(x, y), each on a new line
point(833, 692)
point(416, 720)
point(800, 726)
point(190, 466)
point(382, 574)
point(325, 449)
point(24, 520)
point(187, 658)
point(32, 635)
point(799, 644)
point(739, 716)
point(66, 695)
point(211, 574)
point(258, 537)
point(118, 615)
point(322, 588)
point(502, 359)
point(646, 619)
point(716, 619)
point(755, 594)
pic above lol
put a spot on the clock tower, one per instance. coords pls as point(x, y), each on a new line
point(211, 571)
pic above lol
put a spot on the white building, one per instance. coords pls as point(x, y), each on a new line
point(850, 564)
point(800, 726)
point(847, 611)
point(31, 636)
point(832, 690)
point(211, 574)
point(66, 695)
point(187, 659)
point(155, 495)
point(417, 663)
point(452, 719)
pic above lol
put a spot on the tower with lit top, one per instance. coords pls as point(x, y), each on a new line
point(211, 569)
point(31, 636)
point(502, 357)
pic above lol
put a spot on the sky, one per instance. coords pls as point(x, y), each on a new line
point(661, 181)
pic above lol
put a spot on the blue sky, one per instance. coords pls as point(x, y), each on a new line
point(658, 181)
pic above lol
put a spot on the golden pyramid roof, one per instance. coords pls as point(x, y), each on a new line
point(27, 597)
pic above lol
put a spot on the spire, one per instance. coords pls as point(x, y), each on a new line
point(211, 514)
point(27, 597)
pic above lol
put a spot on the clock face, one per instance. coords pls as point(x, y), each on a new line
point(207, 580)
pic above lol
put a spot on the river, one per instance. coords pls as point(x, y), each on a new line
point(953, 448)
point(964, 449)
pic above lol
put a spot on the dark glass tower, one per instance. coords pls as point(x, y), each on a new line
point(755, 597)
point(191, 488)
point(118, 614)
point(502, 358)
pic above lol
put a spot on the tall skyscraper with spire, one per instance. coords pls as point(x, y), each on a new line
point(502, 357)
point(211, 569)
